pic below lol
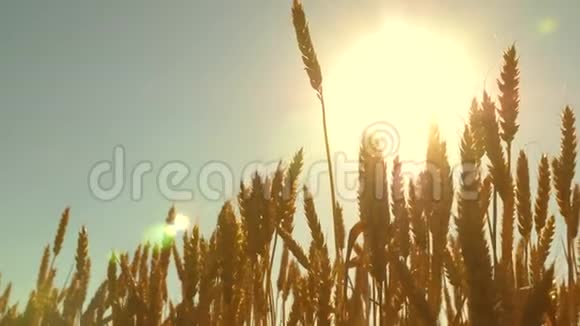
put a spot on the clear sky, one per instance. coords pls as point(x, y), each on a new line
point(201, 81)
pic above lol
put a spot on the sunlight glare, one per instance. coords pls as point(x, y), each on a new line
point(547, 26)
point(407, 76)
point(182, 223)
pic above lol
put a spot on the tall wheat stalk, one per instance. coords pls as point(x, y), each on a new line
point(314, 72)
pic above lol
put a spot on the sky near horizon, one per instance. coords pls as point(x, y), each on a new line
point(214, 81)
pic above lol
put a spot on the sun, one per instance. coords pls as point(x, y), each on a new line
point(400, 80)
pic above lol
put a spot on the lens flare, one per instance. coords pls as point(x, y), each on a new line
point(181, 223)
point(547, 26)
point(156, 234)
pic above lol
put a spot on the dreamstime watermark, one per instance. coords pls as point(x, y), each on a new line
point(218, 181)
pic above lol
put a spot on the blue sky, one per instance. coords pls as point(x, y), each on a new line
point(200, 81)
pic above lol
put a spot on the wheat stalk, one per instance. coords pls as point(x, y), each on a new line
point(314, 73)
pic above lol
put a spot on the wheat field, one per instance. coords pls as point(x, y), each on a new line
point(412, 258)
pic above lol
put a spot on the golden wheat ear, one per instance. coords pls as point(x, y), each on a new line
point(523, 197)
point(306, 46)
point(543, 194)
point(294, 248)
point(321, 272)
point(564, 167)
point(509, 99)
point(4, 298)
point(43, 270)
point(541, 251)
point(474, 248)
point(227, 230)
point(60, 233)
